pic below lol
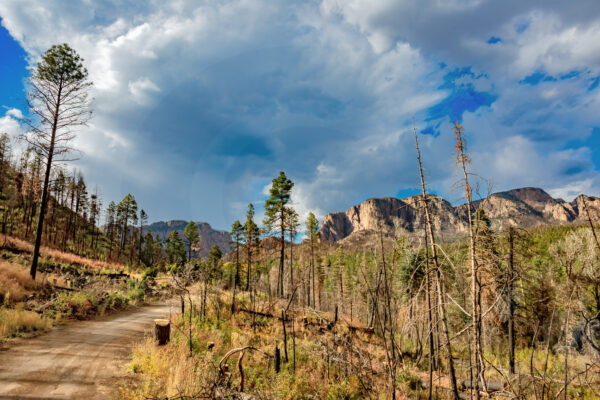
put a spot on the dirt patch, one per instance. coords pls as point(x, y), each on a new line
point(80, 360)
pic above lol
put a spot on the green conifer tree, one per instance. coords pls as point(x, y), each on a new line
point(275, 218)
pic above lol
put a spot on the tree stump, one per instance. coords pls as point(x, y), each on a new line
point(162, 331)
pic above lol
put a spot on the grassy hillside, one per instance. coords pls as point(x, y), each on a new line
point(67, 287)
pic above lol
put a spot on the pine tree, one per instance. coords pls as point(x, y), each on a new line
point(147, 255)
point(209, 271)
point(191, 237)
point(275, 218)
point(126, 212)
point(143, 221)
point(237, 234)
point(58, 96)
point(252, 240)
point(158, 257)
point(175, 249)
point(111, 225)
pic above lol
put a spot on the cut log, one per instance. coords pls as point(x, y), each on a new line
point(162, 331)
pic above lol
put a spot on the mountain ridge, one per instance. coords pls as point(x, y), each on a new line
point(525, 207)
point(208, 235)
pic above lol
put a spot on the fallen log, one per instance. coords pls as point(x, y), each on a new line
point(118, 275)
point(324, 323)
point(259, 313)
point(64, 288)
point(491, 386)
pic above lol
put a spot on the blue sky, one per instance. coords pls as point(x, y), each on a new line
point(199, 105)
point(13, 72)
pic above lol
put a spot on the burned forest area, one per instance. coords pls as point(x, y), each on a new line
point(173, 180)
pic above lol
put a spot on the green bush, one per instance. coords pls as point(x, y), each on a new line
point(116, 301)
point(149, 273)
point(344, 391)
point(75, 304)
point(137, 294)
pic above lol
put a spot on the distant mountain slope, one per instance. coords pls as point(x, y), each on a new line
point(525, 207)
point(208, 235)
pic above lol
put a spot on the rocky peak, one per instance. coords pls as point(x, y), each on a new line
point(525, 207)
point(593, 205)
point(392, 216)
point(535, 198)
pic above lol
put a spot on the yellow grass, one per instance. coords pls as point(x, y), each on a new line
point(10, 242)
point(169, 371)
point(15, 282)
point(13, 321)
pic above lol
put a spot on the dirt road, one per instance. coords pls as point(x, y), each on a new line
point(81, 360)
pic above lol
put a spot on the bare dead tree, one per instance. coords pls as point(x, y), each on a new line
point(182, 280)
point(429, 318)
point(58, 98)
point(462, 159)
point(240, 368)
point(589, 218)
point(438, 274)
point(388, 323)
point(511, 301)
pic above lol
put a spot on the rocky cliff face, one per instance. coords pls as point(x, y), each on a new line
point(208, 235)
point(526, 207)
point(394, 217)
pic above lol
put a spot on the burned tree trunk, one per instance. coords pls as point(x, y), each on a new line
point(511, 303)
point(277, 360)
point(438, 276)
point(162, 331)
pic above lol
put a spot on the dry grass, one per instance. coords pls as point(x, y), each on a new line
point(15, 282)
point(13, 243)
point(170, 371)
point(14, 321)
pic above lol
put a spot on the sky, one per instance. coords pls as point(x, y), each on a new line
point(199, 105)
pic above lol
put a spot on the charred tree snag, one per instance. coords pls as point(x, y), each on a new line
point(162, 331)
point(438, 276)
point(511, 302)
point(277, 360)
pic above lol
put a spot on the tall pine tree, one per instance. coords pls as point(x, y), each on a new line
point(275, 218)
point(252, 239)
point(58, 97)
point(237, 233)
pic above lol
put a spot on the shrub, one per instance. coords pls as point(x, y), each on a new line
point(115, 301)
point(137, 294)
point(150, 273)
point(343, 391)
point(75, 304)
